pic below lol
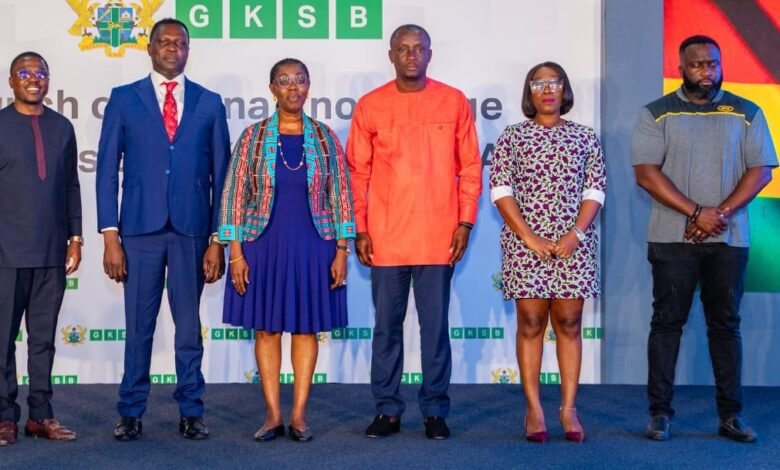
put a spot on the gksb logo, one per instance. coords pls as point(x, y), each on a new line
point(301, 19)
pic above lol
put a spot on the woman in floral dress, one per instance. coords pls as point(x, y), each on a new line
point(547, 180)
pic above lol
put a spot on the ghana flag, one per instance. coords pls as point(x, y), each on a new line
point(748, 32)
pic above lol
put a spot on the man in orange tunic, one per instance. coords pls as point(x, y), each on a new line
point(416, 178)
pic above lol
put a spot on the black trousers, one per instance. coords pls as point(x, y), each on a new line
point(719, 270)
point(35, 294)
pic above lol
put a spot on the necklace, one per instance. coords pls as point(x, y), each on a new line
point(284, 160)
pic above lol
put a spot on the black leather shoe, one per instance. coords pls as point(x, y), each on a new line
point(383, 426)
point(659, 427)
point(436, 428)
point(300, 436)
point(269, 435)
point(193, 428)
point(128, 429)
point(735, 428)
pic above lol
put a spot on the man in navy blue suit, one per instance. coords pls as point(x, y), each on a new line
point(40, 242)
point(171, 136)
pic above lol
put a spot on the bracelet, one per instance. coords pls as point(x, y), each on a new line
point(468, 225)
point(696, 213)
point(236, 260)
point(344, 248)
point(579, 233)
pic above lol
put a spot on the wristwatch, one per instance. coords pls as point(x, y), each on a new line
point(344, 248)
point(580, 234)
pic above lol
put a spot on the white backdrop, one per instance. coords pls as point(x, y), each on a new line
point(483, 47)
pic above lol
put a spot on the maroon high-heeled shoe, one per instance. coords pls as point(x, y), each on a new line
point(573, 436)
point(540, 437)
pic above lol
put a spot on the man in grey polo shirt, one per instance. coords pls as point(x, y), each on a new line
point(703, 154)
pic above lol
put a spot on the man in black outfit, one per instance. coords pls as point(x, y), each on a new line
point(40, 241)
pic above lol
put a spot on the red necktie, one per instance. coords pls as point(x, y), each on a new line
point(170, 112)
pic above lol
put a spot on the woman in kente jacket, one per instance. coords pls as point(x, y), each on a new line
point(287, 213)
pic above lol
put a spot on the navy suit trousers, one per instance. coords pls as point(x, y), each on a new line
point(147, 258)
point(390, 290)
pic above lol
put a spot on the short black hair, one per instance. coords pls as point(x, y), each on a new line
point(697, 39)
point(165, 21)
point(26, 54)
point(568, 95)
point(409, 27)
point(287, 61)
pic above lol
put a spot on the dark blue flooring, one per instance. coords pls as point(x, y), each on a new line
point(486, 422)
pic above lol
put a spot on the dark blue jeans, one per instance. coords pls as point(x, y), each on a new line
point(390, 289)
point(719, 269)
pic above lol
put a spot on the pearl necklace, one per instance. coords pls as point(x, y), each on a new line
point(284, 160)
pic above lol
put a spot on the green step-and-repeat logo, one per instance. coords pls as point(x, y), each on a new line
point(289, 378)
point(232, 334)
point(477, 333)
point(300, 19)
point(107, 335)
point(56, 379)
point(352, 333)
point(412, 378)
point(550, 378)
point(593, 333)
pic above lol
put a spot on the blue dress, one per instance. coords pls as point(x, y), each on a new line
point(289, 263)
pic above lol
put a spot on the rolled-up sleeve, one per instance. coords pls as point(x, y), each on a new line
point(595, 183)
point(502, 167)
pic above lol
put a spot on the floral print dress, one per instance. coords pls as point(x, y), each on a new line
point(549, 171)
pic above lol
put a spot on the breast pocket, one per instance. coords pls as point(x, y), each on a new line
point(437, 149)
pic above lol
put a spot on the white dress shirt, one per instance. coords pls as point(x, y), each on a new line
point(160, 89)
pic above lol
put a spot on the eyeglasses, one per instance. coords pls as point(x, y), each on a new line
point(416, 52)
point(25, 74)
point(165, 43)
point(285, 81)
point(538, 86)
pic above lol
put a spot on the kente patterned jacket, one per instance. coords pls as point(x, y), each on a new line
point(248, 195)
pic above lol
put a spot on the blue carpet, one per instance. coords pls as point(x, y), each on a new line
point(486, 423)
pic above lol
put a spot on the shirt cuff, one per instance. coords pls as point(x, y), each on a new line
point(594, 195)
point(109, 229)
point(500, 191)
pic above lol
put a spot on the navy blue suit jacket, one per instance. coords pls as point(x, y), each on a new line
point(180, 181)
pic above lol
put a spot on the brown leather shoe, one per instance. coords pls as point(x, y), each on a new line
point(8, 431)
point(48, 429)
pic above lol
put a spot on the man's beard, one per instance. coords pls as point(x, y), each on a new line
point(700, 92)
